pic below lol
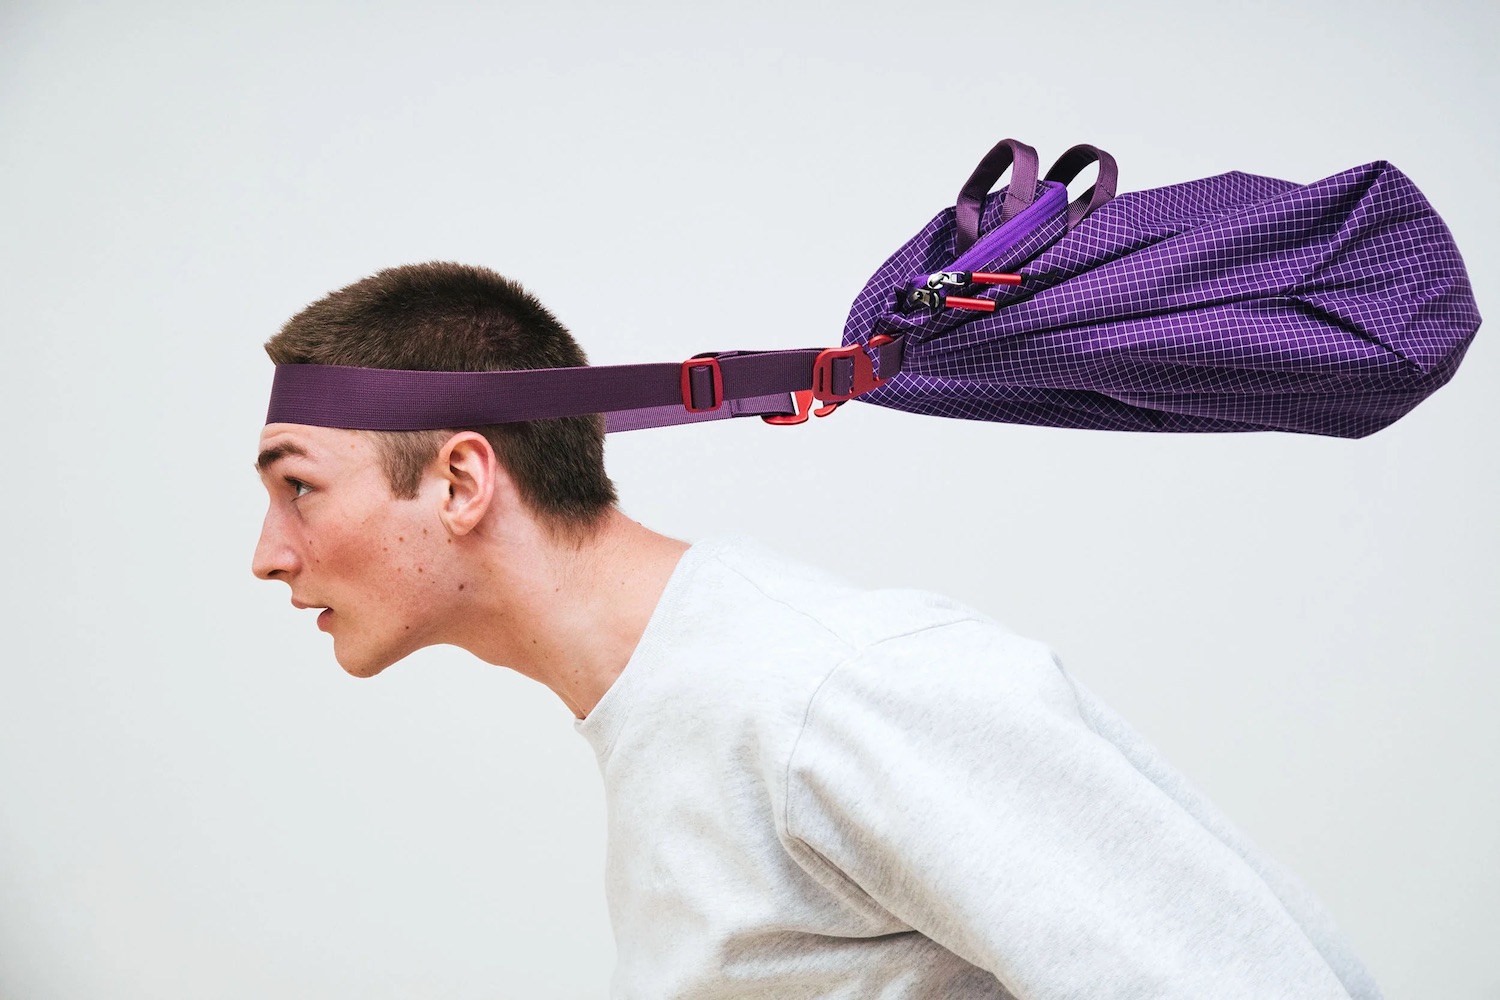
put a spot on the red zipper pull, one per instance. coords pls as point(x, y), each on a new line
point(936, 298)
point(958, 279)
point(987, 278)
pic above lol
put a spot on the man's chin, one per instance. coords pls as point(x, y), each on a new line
point(362, 663)
point(361, 670)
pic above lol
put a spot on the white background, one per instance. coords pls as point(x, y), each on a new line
point(196, 802)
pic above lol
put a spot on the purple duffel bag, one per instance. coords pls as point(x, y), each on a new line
point(1232, 303)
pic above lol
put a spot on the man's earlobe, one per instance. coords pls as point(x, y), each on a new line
point(468, 463)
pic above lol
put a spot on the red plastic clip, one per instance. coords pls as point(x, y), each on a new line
point(860, 372)
point(716, 374)
point(862, 378)
point(805, 409)
point(804, 404)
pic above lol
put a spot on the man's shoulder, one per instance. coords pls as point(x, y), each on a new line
point(903, 649)
point(748, 633)
point(853, 616)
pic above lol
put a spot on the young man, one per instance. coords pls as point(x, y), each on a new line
point(813, 790)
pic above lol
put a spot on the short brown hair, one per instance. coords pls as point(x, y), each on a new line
point(454, 317)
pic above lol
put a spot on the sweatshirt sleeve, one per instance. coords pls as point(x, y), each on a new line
point(950, 778)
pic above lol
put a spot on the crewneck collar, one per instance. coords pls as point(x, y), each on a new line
point(603, 724)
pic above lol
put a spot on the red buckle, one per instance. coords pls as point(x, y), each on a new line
point(699, 362)
point(805, 409)
point(862, 377)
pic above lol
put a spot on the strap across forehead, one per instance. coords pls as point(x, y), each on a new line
point(381, 399)
point(708, 387)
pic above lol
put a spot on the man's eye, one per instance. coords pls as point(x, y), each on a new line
point(299, 488)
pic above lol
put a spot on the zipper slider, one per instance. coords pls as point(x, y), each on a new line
point(936, 298)
point(961, 278)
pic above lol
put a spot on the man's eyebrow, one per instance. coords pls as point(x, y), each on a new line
point(271, 456)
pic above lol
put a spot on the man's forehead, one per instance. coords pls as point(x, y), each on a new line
point(278, 441)
point(271, 433)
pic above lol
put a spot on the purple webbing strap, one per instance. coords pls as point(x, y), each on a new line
point(649, 395)
point(1071, 164)
point(1012, 154)
point(776, 404)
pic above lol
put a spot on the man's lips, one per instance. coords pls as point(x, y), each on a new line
point(322, 618)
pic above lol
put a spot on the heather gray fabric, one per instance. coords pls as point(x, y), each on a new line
point(817, 791)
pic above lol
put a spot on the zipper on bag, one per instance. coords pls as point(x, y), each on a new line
point(936, 290)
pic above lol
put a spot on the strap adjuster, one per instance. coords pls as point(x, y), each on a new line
point(702, 384)
point(841, 373)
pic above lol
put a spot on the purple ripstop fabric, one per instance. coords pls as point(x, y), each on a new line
point(1231, 303)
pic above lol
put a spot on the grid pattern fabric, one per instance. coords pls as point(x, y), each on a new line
point(1231, 303)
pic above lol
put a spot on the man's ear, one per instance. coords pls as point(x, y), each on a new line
point(475, 481)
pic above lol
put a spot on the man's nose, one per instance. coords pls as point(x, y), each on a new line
point(274, 558)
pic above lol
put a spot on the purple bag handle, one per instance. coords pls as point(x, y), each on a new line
point(1008, 153)
point(1070, 165)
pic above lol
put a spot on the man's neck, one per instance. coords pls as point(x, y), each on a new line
point(570, 616)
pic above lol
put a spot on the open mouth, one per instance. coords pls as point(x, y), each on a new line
point(324, 615)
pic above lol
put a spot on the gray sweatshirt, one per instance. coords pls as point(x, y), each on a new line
point(816, 791)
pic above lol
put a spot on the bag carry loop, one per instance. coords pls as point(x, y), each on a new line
point(1070, 165)
point(1021, 160)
